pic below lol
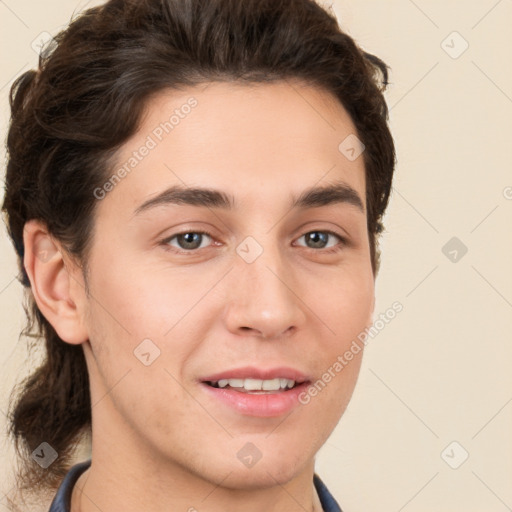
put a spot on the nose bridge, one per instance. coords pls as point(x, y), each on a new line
point(261, 296)
point(263, 273)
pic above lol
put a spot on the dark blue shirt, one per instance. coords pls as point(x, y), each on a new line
point(62, 500)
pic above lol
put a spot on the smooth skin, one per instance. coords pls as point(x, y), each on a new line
point(159, 441)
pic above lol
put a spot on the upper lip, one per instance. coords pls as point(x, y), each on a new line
point(251, 372)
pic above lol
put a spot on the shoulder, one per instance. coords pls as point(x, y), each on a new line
point(329, 504)
point(62, 500)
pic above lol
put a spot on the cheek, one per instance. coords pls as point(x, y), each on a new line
point(145, 316)
point(147, 302)
point(346, 306)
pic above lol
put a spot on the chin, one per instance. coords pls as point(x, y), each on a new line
point(276, 465)
point(262, 476)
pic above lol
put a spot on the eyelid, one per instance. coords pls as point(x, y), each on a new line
point(343, 241)
point(166, 241)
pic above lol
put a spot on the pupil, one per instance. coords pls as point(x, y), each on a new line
point(190, 240)
point(317, 238)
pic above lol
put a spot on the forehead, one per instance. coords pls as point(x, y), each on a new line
point(249, 140)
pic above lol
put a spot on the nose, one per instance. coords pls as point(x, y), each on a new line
point(263, 297)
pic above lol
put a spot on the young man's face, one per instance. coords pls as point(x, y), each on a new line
point(272, 291)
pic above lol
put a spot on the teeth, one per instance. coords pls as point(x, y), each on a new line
point(257, 384)
point(253, 384)
point(270, 385)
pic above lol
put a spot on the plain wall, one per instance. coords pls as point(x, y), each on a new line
point(441, 370)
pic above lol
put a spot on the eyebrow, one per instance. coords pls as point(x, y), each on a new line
point(310, 198)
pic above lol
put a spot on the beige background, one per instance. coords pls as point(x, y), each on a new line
point(441, 371)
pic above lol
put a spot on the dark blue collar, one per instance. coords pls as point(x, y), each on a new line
point(62, 500)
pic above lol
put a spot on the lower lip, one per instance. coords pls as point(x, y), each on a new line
point(264, 405)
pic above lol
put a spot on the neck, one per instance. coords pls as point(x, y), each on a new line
point(130, 472)
point(95, 490)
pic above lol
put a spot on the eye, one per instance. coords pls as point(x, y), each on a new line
point(322, 240)
point(188, 241)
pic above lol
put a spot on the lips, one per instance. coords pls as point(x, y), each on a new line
point(256, 391)
point(251, 372)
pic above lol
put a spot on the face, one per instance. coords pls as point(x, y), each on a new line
point(204, 306)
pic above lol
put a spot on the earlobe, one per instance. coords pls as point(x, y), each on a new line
point(52, 284)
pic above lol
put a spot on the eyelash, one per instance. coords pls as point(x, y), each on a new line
point(342, 244)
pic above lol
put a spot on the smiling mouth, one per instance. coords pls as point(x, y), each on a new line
point(255, 386)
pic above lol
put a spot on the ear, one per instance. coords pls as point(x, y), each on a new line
point(56, 290)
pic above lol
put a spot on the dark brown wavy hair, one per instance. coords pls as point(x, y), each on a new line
point(86, 99)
